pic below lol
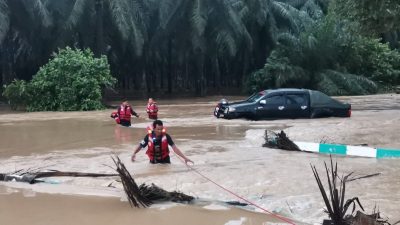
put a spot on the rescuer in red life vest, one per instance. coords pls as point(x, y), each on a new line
point(125, 113)
point(157, 141)
point(152, 109)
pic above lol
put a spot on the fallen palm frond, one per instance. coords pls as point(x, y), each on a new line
point(145, 195)
point(132, 190)
point(138, 196)
point(279, 140)
point(32, 177)
point(155, 193)
point(336, 206)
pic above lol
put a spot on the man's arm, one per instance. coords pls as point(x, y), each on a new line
point(134, 113)
point(138, 148)
point(141, 145)
point(178, 152)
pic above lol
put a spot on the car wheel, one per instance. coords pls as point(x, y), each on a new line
point(313, 114)
point(253, 117)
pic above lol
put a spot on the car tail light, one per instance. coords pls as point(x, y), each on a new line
point(349, 112)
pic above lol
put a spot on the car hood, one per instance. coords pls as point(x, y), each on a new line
point(242, 105)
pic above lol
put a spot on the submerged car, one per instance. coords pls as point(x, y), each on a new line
point(283, 103)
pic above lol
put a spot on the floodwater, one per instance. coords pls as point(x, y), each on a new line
point(227, 153)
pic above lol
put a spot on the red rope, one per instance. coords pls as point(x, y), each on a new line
point(238, 196)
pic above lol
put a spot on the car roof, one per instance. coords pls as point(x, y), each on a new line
point(268, 91)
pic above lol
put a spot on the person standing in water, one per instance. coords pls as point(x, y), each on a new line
point(152, 109)
point(125, 113)
point(157, 142)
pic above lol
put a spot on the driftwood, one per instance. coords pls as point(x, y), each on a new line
point(279, 140)
point(337, 207)
point(155, 193)
point(138, 196)
point(145, 195)
point(33, 177)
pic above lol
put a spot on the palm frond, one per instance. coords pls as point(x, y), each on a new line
point(286, 13)
point(336, 208)
point(119, 15)
point(138, 27)
point(168, 11)
point(226, 42)
point(288, 39)
point(337, 83)
point(199, 17)
point(76, 13)
point(43, 13)
point(295, 3)
point(237, 26)
point(312, 42)
point(4, 20)
point(313, 10)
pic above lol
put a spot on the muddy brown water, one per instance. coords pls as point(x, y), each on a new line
point(228, 152)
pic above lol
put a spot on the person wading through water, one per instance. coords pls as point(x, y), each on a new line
point(125, 113)
point(157, 141)
point(152, 109)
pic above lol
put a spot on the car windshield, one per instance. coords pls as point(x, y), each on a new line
point(256, 96)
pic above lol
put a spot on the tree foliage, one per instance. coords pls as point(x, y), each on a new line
point(371, 17)
point(204, 46)
point(330, 58)
point(16, 93)
point(71, 80)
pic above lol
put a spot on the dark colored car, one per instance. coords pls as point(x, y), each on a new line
point(283, 103)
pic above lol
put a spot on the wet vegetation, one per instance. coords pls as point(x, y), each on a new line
point(279, 140)
point(145, 195)
point(337, 207)
point(199, 47)
point(71, 80)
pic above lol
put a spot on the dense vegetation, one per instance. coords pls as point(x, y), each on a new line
point(203, 46)
point(71, 80)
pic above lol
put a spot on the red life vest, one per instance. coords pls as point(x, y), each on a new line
point(125, 112)
point(115, 116)
point(152, 110)
point(152, 152)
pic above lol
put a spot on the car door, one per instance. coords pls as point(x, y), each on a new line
point(271, 106)
point(296, 105)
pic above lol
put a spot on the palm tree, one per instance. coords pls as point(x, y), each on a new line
point(21, 43)
point(198, 33)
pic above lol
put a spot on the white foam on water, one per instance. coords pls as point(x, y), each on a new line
point(278, 181)
point(237, 222)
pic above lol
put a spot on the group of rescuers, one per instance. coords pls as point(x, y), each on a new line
point(156, 139)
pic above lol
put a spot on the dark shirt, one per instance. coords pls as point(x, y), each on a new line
point(157, 141)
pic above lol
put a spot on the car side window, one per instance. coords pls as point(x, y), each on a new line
point(293, 99)
point(276, 100)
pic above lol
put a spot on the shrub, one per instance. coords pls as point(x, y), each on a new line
point(72, 80)
point(16, 93)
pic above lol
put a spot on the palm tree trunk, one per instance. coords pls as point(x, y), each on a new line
point(217, 78)
point(169, 70)
point(7, 73)
point(200, 80)
point(99, 6)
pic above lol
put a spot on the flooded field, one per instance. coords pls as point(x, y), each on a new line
point(227, 152)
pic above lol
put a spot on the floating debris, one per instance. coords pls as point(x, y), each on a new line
point(145, 195)
point(34, 177)
point(337, 207)
point(279, 140)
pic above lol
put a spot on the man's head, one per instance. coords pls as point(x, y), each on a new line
point(125, 102)
point(151, 100)
point(158, 127)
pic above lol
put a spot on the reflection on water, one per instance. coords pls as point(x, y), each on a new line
point(228, 152)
